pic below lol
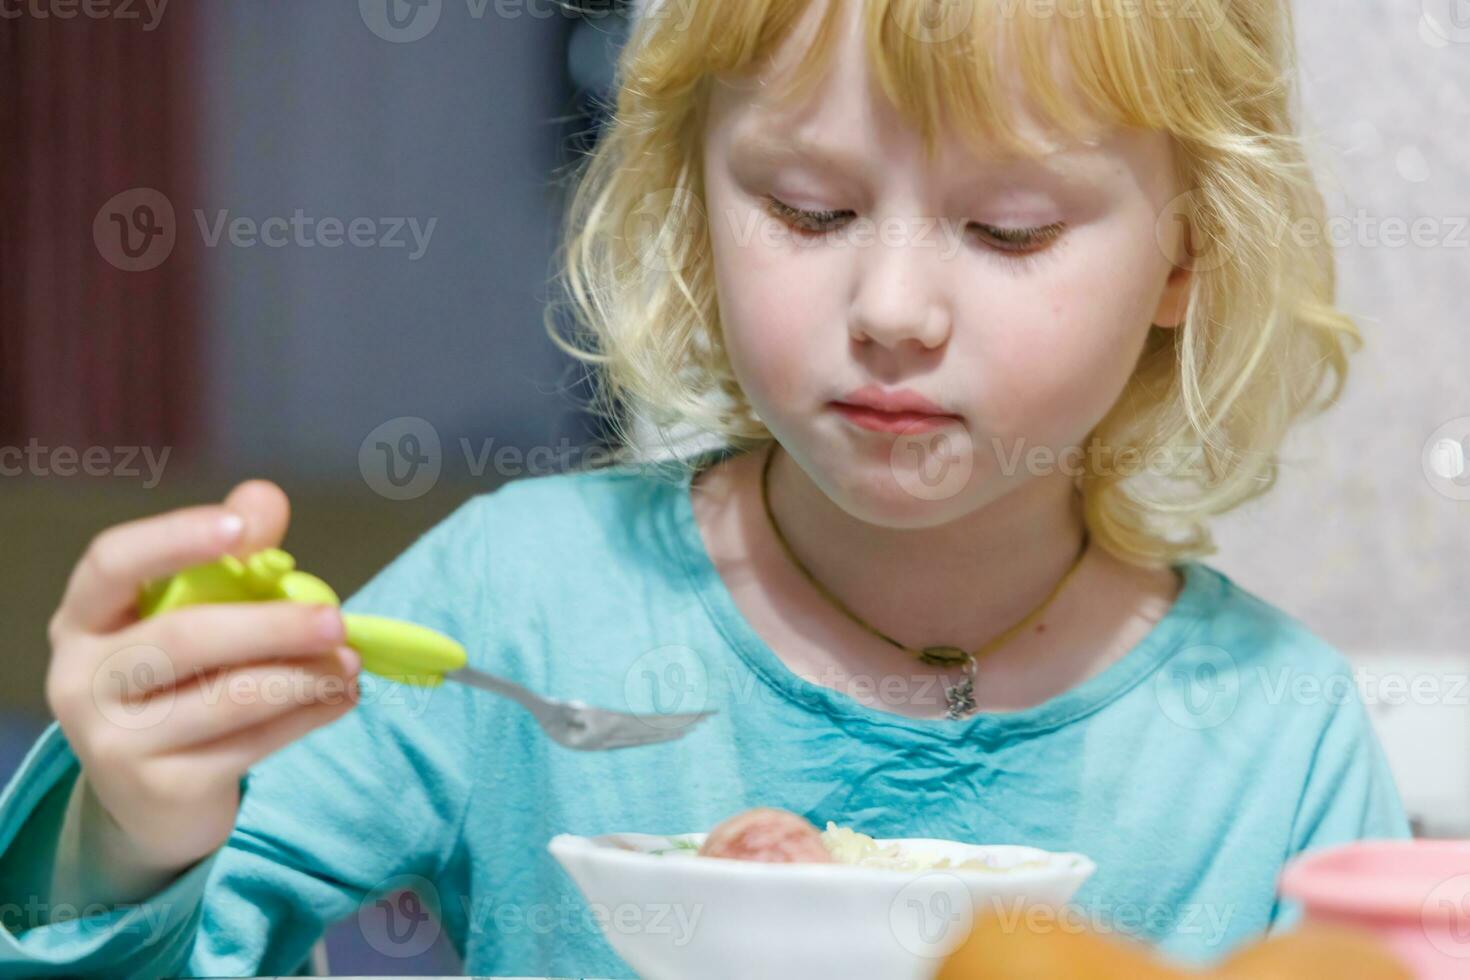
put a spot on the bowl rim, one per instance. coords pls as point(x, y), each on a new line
point(1066, 864)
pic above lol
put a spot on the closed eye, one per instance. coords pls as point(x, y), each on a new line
point(1015, 241)
point(1022, 240)
point(810, 222)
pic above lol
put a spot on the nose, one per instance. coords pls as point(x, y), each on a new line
point(899, 297)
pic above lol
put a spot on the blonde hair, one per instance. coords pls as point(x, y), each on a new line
point(1261, 332)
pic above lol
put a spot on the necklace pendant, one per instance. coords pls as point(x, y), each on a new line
point(943, 656)
point(961, 698)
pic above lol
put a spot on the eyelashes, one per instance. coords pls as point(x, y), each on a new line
point(1011, 243)
point(809, 222)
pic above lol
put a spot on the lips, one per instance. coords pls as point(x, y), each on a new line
point(902, 410)
point(893, 401)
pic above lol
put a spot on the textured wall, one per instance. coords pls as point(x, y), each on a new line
point(1355, 539)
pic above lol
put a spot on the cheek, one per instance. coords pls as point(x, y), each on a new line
point(771, 314)
point(1070, 341)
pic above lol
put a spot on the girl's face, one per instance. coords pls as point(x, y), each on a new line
point(1013, 295)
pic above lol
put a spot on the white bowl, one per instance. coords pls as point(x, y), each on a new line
point(673, 915)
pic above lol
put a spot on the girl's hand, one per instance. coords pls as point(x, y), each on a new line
point(167, 713)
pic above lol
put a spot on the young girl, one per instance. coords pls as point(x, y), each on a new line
point(981, 307)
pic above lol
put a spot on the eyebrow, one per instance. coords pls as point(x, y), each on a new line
point(1070, 165)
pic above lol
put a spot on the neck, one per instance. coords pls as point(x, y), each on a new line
point(959, 583)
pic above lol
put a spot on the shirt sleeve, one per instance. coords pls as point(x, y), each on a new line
point(1349, 794)
point(371, 802)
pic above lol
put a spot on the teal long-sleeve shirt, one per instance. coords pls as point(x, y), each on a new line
point(1228, 740)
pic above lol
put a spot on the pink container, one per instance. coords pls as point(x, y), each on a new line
point(1414, 895)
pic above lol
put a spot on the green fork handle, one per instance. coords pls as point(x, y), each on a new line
point(392, 648)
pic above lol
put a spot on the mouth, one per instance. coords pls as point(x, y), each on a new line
point(903, 422)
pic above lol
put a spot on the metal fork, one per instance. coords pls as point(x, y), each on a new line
point(578, 726)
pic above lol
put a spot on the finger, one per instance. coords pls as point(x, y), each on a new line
point(102, 592)
point(238, 751)
point(193, 640)
point(240, 698)
point(266, 510)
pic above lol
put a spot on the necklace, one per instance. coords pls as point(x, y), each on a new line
point(960, 696)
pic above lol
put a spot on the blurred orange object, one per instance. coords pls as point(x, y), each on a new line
point(1314, 951)
point(994, 951)
point(997, 951)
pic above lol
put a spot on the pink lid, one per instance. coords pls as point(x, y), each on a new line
point(1393, 878)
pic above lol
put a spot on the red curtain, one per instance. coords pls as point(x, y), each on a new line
point(98, 104)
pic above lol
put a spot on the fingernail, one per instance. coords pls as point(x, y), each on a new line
point(230, 527)
point(329, 624)
point(351, 661)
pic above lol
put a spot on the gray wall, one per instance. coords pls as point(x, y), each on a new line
point(306, 107)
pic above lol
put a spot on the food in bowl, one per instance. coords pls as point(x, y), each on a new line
point(818, 920)
point(778, 836)
point(847, 846)
point(766, 834)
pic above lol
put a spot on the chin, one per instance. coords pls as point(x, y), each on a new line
point(898, 490)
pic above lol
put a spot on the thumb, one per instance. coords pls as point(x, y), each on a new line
point(266, 511)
